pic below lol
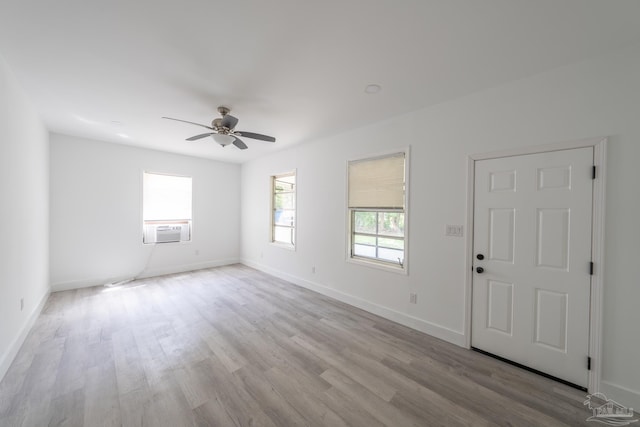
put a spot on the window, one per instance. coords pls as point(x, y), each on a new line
point(166, 208)
point(283, 217)
point(377, 210)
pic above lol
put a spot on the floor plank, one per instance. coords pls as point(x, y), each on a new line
point(232, 346)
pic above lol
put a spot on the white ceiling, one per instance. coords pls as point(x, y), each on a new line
point(293, 69)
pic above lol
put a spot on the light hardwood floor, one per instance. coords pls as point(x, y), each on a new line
point(232, 346)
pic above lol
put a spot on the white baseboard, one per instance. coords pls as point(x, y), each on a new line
point(87, 283)
point(622, 395)
point(7, 358)
point(429, 328)
point(83, 283)
point(189, 267)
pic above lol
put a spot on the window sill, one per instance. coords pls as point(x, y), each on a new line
point(379, 265)
point(284, 246)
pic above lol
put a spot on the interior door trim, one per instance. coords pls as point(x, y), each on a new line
point(599, 146)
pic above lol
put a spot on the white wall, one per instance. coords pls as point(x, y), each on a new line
point(24, 215)
point(96, 213)
point(596, 98)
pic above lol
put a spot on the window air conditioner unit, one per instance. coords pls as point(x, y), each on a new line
point(168, 233)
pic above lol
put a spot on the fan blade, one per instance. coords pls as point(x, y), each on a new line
point(229, 121)
point(185, 121)
point(202, 135)
point(241, 145)
point(256, 136)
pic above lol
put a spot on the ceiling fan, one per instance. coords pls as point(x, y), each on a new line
point(223, 130)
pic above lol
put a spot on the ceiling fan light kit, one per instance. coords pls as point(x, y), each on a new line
point(224, 132)
point(222, 139)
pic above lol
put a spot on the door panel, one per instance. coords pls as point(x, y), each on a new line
point(532, 224)
point(551, 319)
point(501, 234)
point(552, 243)
point(500, 309)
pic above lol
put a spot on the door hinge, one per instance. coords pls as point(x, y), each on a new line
point(593, 172)
point(588, 363)
point(591, 268)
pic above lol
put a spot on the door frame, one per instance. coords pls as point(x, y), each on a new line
point(599, 146)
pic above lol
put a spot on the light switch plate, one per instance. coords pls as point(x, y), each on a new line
point(454, 230)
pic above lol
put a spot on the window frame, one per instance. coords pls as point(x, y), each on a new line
point(377, 235)
point(272, 220)
point(399, 268)
point(168, 222)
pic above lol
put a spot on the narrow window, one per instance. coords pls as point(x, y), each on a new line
point(283, 216)
point(377, 210)
point(166, 208)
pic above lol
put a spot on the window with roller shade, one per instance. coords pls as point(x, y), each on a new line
point(377, 201)
point(166, 208)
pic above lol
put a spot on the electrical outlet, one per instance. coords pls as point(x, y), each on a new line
point(313, 269)
point(21, 304)
point(197, 251)
point(261, 255)
point(413, 298)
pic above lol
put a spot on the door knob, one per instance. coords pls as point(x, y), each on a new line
point(480, 257)
point(479, 270)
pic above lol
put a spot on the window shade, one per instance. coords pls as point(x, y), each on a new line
point(377, 183)
point(166, 197)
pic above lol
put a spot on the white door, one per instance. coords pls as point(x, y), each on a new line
point(531, 289)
